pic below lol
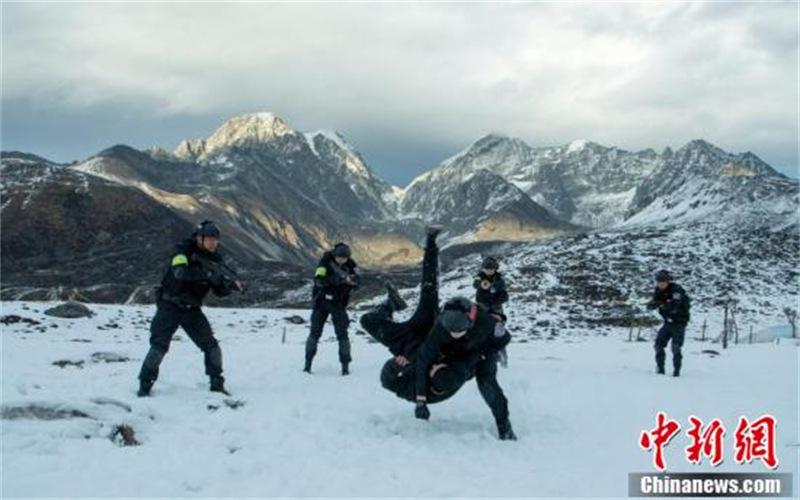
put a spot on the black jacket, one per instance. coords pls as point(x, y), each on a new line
point(330, 280)
point(495, 296)
point(673, 304)
point(192, 273)
point(479, 340)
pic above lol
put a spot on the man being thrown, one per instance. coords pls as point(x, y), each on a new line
point(435, 354)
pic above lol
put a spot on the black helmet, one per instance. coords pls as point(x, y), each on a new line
point(490, 263)
point(458, 314)
point(341, 250)
point(663, 275)
point(207, 228)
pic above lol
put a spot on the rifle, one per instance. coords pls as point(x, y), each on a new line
point(228, 275)
point(342, 274)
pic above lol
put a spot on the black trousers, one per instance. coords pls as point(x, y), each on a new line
point(405, 337)
point(489, 387)
point(670, 331)
point(169, 317)
point(341, 322)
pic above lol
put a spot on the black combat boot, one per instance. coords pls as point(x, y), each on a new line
point(345, 369)
point(218, 385)
point(505, 431)
point(676, 372)
point(432, 232)
point(395, 301)
point(307, 367)
point(145, 386)
point(660, 370)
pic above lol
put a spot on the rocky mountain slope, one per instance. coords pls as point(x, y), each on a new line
point(600, 187)
point(283, 196)
point(591, 282)
point(64, 227)
point(277, 193)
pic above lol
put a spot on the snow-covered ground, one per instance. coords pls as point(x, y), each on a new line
point(577, 404)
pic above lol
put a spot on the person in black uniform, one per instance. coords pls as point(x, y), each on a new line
point(468, 332)
point(490, 287)
point(196, 267)
point(404, 338)
point(427, 367)
point(673, 305)
point(491, 293)
point(335, 277)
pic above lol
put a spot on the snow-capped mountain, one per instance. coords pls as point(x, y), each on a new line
point(322, 165)
point(334, 150)
point(701, 181)
point(478, 205)
point(280, 194)
point(581, 182)
point(284, 196)
point(599, 187)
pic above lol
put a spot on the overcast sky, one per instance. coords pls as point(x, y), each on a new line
point(408, 84)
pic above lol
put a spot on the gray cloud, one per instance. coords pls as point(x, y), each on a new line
point(407, 83)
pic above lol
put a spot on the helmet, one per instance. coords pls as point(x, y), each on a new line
point(663, 275)
point(458, 314)
point(341, 250)
point(490, 263)
point(207, 228)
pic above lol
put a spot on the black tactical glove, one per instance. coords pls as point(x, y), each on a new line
point(421, 411)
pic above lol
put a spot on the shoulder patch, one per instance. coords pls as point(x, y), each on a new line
point(676, 296)
point(321, 272)
point(180, 260)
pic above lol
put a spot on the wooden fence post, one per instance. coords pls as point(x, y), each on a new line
point(725, 328)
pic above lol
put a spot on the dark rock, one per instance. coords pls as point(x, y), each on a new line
point(109, 357)
point(70, 310)
point(39, 411)
point(295, 320)
point(63, 363)
point(123, 435)
point(234, 404)
point(10, 319)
